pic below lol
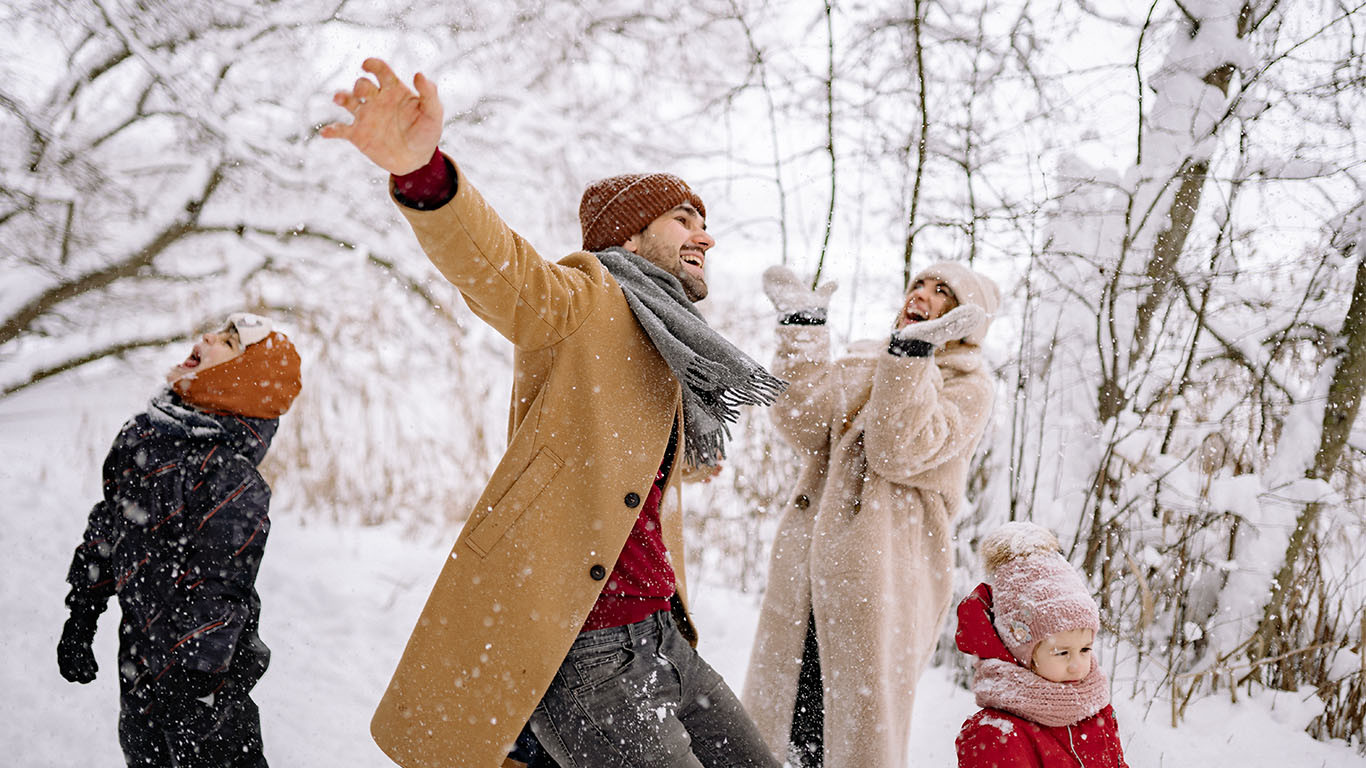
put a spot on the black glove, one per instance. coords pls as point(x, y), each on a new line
point(75, 658)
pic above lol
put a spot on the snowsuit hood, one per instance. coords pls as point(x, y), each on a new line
point(245, 436)
point(976, 633)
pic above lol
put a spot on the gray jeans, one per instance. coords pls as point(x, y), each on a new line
point(640, 696)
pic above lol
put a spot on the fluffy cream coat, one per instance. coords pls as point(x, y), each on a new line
point(885, 443)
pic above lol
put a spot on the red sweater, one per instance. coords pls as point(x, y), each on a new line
point(642, 581)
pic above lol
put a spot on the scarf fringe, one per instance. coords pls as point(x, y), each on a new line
point(706, 450)
point(709, 380)
point(717, 377)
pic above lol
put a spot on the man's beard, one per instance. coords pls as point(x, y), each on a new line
point(695, 287)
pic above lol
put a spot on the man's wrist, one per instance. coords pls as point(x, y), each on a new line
point(429, 187)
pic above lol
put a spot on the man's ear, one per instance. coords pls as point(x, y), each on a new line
point(633, 243)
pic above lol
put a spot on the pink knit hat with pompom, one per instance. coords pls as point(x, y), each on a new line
point(1035, 592)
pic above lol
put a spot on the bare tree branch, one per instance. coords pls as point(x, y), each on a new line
point(22, 319)
point(829, 137)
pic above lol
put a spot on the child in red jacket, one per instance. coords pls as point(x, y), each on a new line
point(1046, 703)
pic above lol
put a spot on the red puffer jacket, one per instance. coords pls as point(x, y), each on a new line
point(993, 738)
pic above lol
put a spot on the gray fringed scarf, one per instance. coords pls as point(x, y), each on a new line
point(717, 378)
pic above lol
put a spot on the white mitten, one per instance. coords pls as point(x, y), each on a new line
point(954, 324)
point(789, 294)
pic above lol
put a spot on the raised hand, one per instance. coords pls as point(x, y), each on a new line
point(394, 127)
point(789, 294)
point(957, 323)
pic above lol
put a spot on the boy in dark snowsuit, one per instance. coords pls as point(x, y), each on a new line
point(178, 537)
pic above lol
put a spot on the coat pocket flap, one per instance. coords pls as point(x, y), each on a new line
point(517, 500)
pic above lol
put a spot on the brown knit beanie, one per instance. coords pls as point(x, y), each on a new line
point(260, 383)
point(615, 208)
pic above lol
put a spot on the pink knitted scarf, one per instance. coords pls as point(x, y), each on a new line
point(1010, 687)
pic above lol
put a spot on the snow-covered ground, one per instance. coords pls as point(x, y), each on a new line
point(338, 605)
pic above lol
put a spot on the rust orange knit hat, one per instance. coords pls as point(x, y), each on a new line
point(260, 383)
point(615, 208)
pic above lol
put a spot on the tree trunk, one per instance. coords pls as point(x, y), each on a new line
point(921, 147)
point(1160, 271)
point(1340, 413)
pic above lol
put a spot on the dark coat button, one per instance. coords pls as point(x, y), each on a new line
point(632, 499)
point(801, 502)
point(597, 572)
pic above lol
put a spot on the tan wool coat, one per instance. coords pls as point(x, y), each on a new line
point(885, 443)
point(592, 408)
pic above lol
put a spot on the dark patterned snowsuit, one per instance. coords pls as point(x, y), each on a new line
point(178, 537)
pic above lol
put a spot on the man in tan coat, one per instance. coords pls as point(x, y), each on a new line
point(562, 603)
point(859, 579)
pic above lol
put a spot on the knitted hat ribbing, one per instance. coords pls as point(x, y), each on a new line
point(1035, 591)
point(970, 287)
point(615, 208)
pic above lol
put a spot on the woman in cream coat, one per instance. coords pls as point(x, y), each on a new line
point(859, 581)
